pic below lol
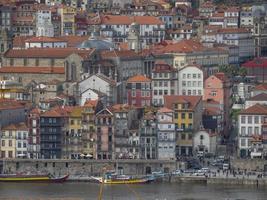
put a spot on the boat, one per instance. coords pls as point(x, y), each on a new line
point(32, 178)
point(111, 178)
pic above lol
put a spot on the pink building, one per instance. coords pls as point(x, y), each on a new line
point(218, 88)
point(139, 91)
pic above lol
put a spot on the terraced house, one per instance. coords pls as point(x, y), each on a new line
point(187, 119)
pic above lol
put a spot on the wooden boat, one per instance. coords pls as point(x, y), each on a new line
point(32, 178)
point(120, 179)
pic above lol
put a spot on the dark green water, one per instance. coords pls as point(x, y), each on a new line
point(157, 191)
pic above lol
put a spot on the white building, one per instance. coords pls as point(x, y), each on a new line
point(250, 123)
point(238, 37)
point(44, 26)
point(166, 134)
point(100, 83)
point(22, 134)
point(246, 17)
point(45, 42)
point(164, 82)
point(190, 81)
point(206, 142)
point(117, 27)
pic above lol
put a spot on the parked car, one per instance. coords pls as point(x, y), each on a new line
point(177, 172)
point(199, 173)
point(225, 166)
point(205, 170)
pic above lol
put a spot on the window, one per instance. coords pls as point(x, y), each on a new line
point(190, 115)
point(188, 75)
point(183, 115)
point(183, 83)
point(176, 115)
point(256, 119)
point(155, 92)
point(165, 84)
point(243, 142)
point(249, 131)
point(243, 119)
point(72, 122)
point(10, 143)
point(249, 119)
point(160, 92)
point(243, 131)
point(19, 145)
point(133, 94)
point(256, 131)
point(3, 143)
point(155, 83)
point(165, 92)
point(194, 75)
point(183, 136)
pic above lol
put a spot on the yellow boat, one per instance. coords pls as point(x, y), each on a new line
point(120, 179)
point(31, 178)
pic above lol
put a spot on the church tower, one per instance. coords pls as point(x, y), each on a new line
point(133, 38)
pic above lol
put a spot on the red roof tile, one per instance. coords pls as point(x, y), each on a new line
point(256, 62)
point(193, 101)
point(33, 70)
point(47, 52)
point(262, 86)
point(138, 79)
point(128, 20)
point(257, 109)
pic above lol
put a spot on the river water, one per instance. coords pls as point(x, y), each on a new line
point(153, 191)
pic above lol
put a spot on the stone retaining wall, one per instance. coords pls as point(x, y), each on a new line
point(87, 167)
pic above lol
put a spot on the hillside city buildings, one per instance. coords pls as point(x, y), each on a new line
point(132, 79)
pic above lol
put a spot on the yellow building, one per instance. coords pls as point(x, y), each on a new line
point(73, 139)
point(89, 130)
point(67, 15)
point(187, 119)
point(8, 142)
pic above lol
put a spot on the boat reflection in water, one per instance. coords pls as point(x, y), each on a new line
point(32, 178)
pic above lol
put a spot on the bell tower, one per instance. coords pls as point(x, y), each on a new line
point(133, 38)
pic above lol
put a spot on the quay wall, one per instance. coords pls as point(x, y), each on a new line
point(249, 164)
point(221, 181)
point(87, 167)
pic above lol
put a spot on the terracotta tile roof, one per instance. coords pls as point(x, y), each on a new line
point(128, 20)
point(217, 15)
point(58, 112)
point(6, 104)
point(259, 97)
point(233, 30)
point(183, 46)
point(165, 110)
point(138, 78)
point(35, 111)
point(47, 52)
point(19, 41)
point(121, 108)
point(170, 100)
point(257, 109)
point(73, 40)
point(91, 103)
point(262, 86)
point(33, 70)
point(123, 54)
point(44, 39)
point(162, 66)
point(256, 62)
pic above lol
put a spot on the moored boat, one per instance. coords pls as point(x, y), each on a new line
point(32, 178)
point(120, 179)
